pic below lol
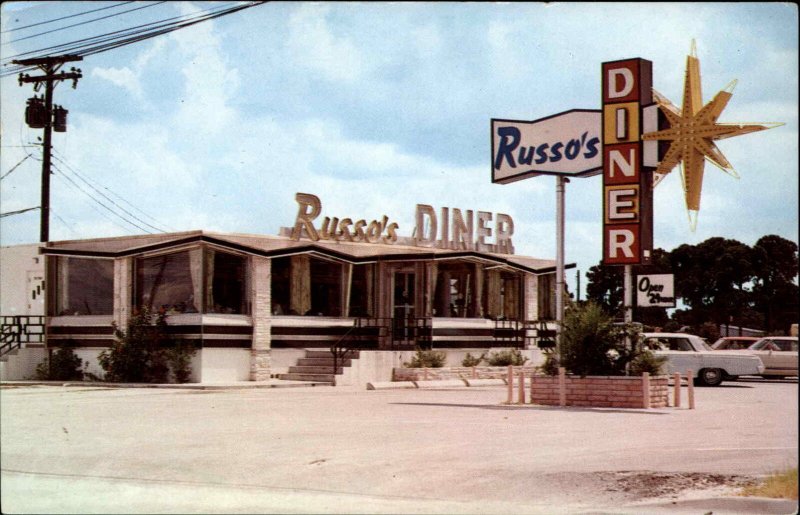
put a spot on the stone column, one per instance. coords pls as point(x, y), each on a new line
point(530, 310)
point(261, 295)
point(123, 291)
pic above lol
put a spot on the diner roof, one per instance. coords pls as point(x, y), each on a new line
point(278, 246)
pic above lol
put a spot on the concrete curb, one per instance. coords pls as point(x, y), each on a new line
point(391, 385)
point(486, 382)
point(184, 386)
point(727, 504)
point(441, 383)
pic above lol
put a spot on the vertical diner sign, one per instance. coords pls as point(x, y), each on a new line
point(627, 186)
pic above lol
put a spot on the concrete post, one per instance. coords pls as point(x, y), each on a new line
point(562, 386)
point(510, 381)
point(676, 378)
point(690, 385)
point(521, 389)
point(646, 390)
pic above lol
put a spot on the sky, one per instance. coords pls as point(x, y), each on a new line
point(377, 107)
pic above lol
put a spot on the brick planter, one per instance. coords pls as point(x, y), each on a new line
point(601, 391)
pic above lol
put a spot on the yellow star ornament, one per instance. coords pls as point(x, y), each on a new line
point(691, 133)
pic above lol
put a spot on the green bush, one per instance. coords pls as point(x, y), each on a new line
point(471, 361)
point(505, 358)
point(427, 359)
point(646, 361)
point(63, 365)
point(144, 354)
point(551, 363)
point(592, 344)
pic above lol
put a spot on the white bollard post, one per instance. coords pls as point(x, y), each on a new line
point(510, 385)
point(690, 384)
point(646, 390)
point(562, 386)
point(676, 388)
point(521, 387)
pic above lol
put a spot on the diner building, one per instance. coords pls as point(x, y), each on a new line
point(253, 305)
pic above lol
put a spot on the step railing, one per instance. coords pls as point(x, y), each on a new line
point(341, 348)
point(17, 330)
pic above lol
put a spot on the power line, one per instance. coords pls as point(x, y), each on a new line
point(67, 177)
point(101, 213)
point(116, 39)
point(65, 17)
point(68, 226)
point(20, 211)
point(112, 201)
point(84, 179)
point(15, 167)
point(85, 22)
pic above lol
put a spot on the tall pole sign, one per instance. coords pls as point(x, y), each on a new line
point(627, 186)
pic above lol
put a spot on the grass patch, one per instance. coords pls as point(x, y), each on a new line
point(782, 485)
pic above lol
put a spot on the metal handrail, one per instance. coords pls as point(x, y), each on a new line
point(15, 330)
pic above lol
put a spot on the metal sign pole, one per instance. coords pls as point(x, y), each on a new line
point(560, 182)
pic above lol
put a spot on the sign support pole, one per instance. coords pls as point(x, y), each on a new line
point(560, 183)
point(627, 294)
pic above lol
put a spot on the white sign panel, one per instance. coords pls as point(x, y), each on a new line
point(568, 143)
point(655, 291)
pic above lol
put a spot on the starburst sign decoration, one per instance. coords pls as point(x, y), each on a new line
point(692, 132)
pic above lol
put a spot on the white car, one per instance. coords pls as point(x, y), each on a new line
point(779, 355)
point(709, 367)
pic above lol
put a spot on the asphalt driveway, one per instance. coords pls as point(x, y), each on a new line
point(342, 450)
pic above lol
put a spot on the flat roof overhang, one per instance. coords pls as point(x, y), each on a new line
point(274, 247)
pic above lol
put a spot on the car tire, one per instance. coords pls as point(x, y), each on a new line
point(710, 377)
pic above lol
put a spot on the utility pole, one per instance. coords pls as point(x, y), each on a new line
point(50, 67)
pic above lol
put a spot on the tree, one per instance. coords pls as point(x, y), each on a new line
point(775, 292)
point(712, 279)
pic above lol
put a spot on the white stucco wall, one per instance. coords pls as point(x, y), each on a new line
point(21, 269)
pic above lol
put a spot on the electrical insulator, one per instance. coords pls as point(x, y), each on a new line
point(60, 119)
point(35, 113)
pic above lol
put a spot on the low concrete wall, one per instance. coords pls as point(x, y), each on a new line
point(437, 374)
point(22, 365)
point(216, 365)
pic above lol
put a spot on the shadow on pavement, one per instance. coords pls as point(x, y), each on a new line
point(530, 407)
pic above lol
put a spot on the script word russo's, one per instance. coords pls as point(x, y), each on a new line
point(511, 137)
point(309, 208)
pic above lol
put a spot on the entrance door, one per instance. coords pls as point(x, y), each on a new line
point(403, 307)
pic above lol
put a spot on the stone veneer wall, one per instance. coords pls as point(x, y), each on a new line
point(262, 320)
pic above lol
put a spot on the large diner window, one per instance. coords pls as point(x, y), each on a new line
point(84, 286)
point(305, 285)
point(361, 291)
point(171, 282)
point(502, 294)
point(547, 297)
point(326, 288)
point(454, 291)
point(226, 283)
point(193, 281)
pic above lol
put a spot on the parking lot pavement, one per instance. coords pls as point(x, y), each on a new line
point(343, 450)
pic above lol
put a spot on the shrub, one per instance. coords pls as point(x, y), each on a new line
point(427, 359)
point(591, 344)
point(471, 361)
point(506, 357)
point(646, 361)
point(144, 354)
point(551, 363)
point(63, 365)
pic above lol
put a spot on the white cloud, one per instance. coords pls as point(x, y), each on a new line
point(313, 45)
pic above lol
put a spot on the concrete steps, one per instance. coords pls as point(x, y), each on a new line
point(317, 366)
